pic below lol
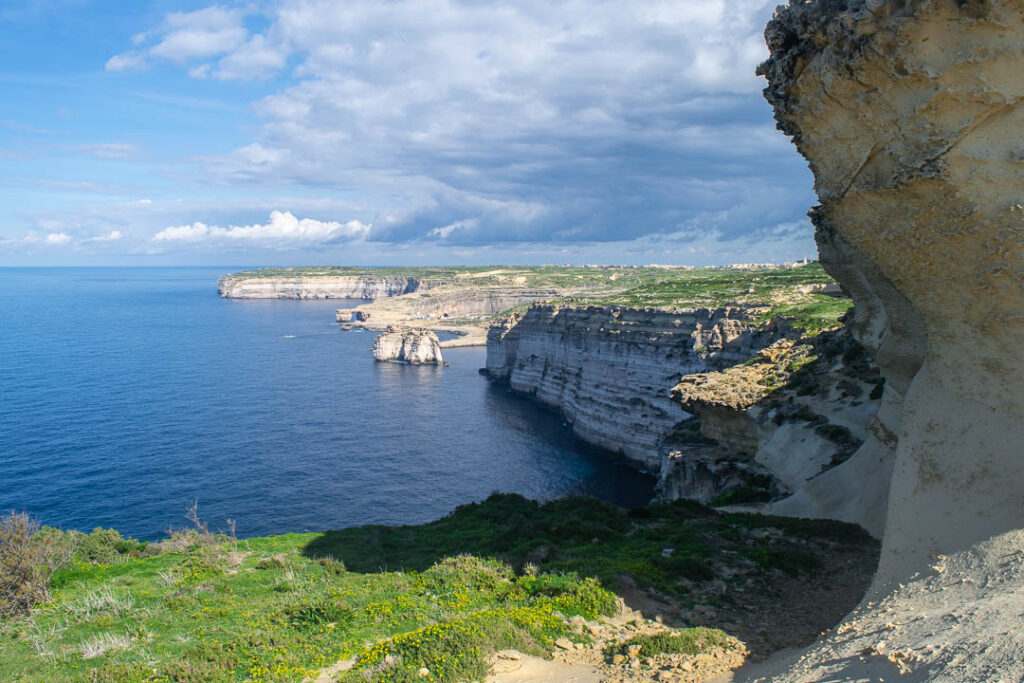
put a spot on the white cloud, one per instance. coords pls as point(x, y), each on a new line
point(112, 236)
point(185, 36)
point(58, 238)
point(127, 61)
point(203, 33)
point(283, 231)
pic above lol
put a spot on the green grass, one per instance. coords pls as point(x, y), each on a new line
point(194, 615)
point(504, 573)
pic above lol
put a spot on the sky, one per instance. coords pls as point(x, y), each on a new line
point(398, 132)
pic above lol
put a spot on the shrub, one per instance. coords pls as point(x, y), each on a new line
point(270, 564)
point(28, 558)
point(106, 546)
point(690, 641)
point(332, 567)
point(316, 613)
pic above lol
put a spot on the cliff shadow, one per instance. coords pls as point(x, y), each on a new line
point(682, 561)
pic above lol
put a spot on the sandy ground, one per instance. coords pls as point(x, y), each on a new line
point(962, 621)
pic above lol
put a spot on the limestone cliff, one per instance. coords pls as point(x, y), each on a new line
point(609, 369)
point(910, 116)
point(408, 345)
point(782, 427)
point(444, 304)
point(342, 287)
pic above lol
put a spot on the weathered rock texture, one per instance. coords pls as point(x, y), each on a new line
point(609, 370)
point(910, 115)
point(796, 414)
point(408, 345)
point(343, 287)
point(443, 304)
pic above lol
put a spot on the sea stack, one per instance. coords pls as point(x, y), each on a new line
point(413, 345)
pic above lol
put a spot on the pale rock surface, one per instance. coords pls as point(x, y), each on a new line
point(608, 370)
point(820, 436)
point(910, 115)
point(320, 287)
point(416, 346)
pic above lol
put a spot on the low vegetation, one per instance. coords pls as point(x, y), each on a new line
point(413, 603)
point(775, 291)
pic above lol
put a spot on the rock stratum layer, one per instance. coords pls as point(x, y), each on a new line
point(910, 116)
point(355, 287)
point(408, 345)
point(796, 414)
point(609, 369)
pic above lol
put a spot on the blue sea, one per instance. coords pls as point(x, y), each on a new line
point(126, 394)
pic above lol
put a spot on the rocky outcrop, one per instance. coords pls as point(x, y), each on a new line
point(408, 345)
point(321, 287)
point(609, 369)
point(444, 304)
point(783, 427)
point(910, 116)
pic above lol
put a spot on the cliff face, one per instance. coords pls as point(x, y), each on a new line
point(609, 370)
point(910, 116)
point(444, 303)
point(405, 345)
point(786, 425)
point(231, 287)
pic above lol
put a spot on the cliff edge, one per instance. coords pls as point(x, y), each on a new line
point(909, 114)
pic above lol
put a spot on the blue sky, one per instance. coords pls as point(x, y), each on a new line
point(401, 132)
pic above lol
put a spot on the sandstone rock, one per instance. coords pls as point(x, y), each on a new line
point(408, 345)
point(797, 413)
point(910, 119)
point(910, 116)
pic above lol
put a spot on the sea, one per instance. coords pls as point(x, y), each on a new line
point(127, 394)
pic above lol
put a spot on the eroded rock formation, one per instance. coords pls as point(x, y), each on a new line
point(609, 370)
point(910, 116)
point(796, 414)
point(416, 346)
point(342, 287)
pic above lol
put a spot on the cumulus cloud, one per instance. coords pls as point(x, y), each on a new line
point(283, 231)
point(58, 238)
point(186, 36)
point(470, 123)
point(127, 61)
point(112, 236)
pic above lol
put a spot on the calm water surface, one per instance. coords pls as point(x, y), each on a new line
point(127, 393)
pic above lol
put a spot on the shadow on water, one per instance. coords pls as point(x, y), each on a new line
point(613, 478)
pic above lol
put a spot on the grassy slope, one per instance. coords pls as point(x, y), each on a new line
point(282, 607)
